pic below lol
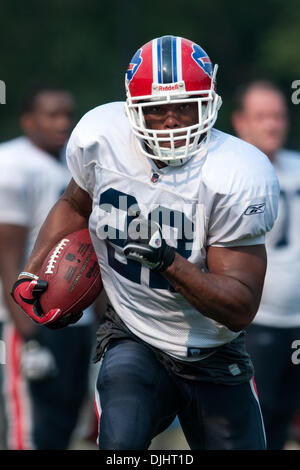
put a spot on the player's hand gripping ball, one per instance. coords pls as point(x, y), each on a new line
point(69, 282)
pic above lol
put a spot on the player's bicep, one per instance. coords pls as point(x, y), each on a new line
point(79, 199)
point(246, 264)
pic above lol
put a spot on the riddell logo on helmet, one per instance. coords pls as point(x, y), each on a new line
point(168, 87)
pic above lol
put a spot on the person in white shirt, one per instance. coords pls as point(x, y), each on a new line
point(43, 387)
point(261, 119)
point(177, 212)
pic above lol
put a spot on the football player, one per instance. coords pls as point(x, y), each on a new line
point(178, 212)
point(261, 119)
point(43, 389)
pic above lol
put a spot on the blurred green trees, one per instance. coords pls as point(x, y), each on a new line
point(85, 46)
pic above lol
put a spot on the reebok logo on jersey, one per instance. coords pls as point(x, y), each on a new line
point(255, 209)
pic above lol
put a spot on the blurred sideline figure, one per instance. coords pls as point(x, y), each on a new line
point(45, 377)
point(260, 118)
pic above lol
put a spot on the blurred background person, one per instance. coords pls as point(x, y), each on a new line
point(260, 118)
point(45, 378)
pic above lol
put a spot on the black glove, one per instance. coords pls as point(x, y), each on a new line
point(146, 245)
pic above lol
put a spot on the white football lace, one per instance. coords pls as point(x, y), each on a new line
point(55, 255)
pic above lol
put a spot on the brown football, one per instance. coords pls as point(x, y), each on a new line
point(73, 274)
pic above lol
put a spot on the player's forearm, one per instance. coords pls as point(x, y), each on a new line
point(222, 298)
point(63, 219)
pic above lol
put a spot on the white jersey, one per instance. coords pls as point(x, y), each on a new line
point(280, 305)
point(31, 181)
point(227, 197)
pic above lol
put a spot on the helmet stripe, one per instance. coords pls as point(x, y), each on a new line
point(167, 64)
point(159, 60)
point(154, 61)
point(174, 60)
point(178, 57)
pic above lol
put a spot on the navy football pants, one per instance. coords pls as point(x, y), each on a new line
point(137, 398)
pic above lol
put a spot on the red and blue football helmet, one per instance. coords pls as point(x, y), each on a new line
point(167, 70)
